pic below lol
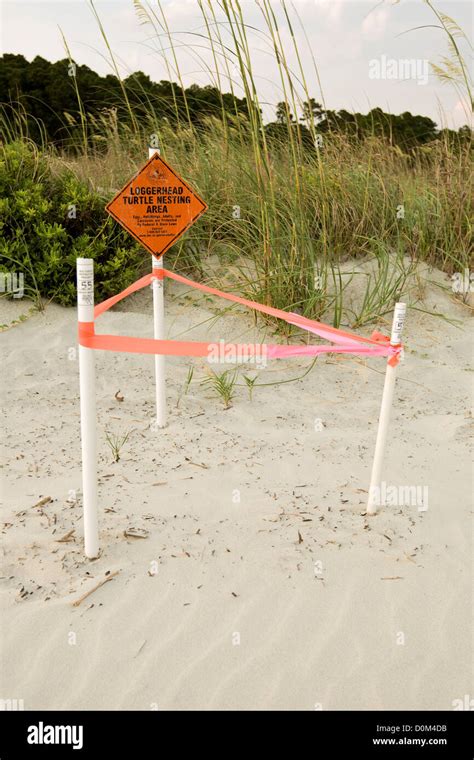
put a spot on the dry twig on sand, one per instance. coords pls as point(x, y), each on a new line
point(91, 591)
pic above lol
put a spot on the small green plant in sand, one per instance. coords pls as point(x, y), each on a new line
point(185, 387)
point(116, 442)
point(250, 383)
point(223, 385)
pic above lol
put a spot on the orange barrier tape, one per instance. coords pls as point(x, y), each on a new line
point(287, 316)
point(122, 343)
point(342, 342)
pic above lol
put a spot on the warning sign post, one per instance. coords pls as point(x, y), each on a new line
point(157, 206)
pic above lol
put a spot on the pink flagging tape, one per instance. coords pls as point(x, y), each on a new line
point(342, 342)
point(287, 316)
point(136, 286)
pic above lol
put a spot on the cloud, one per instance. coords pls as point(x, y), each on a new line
point(375, 23)
point(331, 9)
point(462, 114)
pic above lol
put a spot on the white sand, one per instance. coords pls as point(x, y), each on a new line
point(333, 609)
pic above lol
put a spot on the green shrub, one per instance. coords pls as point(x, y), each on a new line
point(49, 219)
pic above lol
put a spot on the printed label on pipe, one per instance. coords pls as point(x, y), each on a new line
point(85, 285)
point(398, 322)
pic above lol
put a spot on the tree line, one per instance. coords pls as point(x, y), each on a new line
point(53, 98)
point(404, 130)
point(51, 94)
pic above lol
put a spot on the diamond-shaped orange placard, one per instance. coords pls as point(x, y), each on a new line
point(156, 206)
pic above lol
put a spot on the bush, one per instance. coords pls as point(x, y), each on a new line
point(47, 220)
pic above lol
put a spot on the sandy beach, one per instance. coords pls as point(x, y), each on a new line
point(253, 580)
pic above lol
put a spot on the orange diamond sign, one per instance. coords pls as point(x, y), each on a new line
point(156, 206)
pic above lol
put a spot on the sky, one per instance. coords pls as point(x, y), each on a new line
point(369, 53)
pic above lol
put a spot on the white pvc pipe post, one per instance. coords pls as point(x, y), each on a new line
point(159, 332)
point(384, 419)
point(85, 313)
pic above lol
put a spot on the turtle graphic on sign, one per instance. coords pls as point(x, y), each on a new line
point(157, 206)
